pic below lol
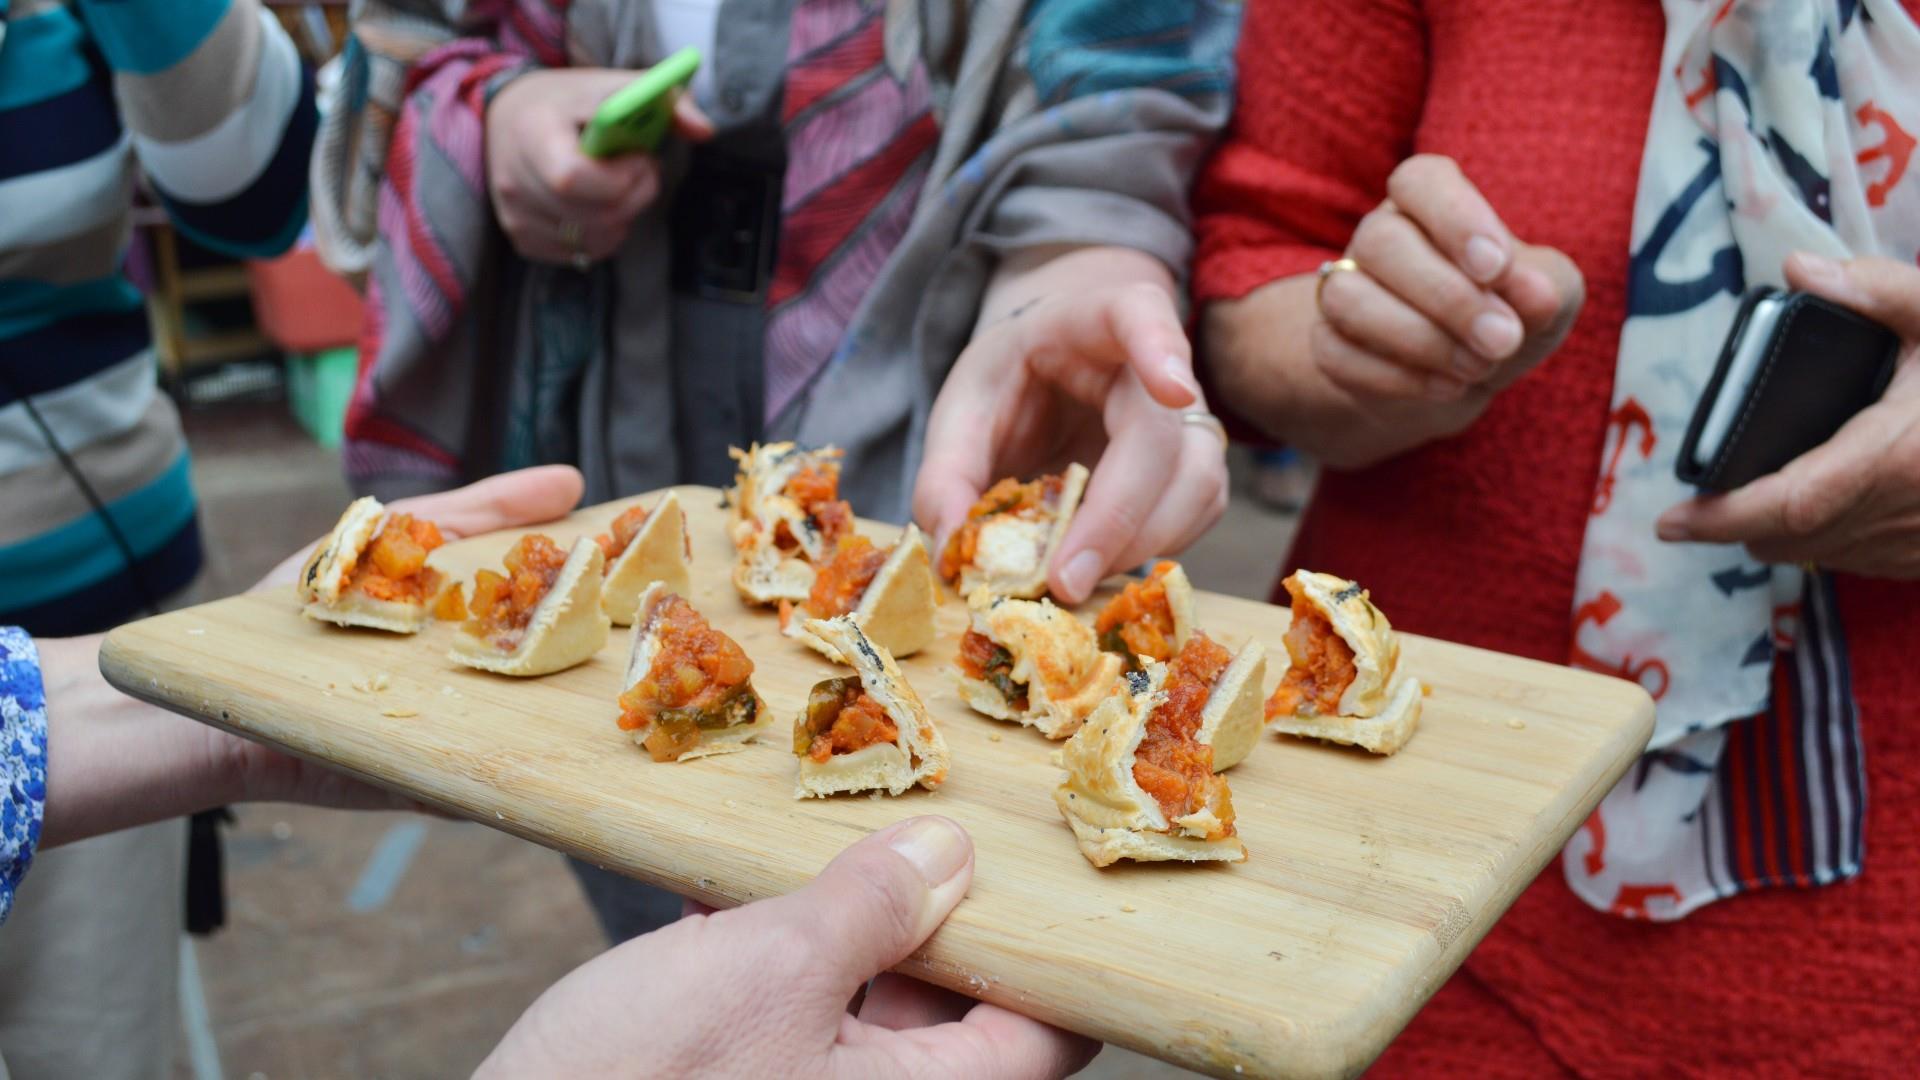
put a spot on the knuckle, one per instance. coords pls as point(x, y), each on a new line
point(1421, 171)
point(1339, 297)
point(888, 900)
point(1804, 511)
point(1375, 236)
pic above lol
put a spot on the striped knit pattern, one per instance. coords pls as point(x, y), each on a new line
point(859, 141)
point(206, 97)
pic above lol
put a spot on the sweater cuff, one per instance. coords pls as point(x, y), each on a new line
point(23, 759)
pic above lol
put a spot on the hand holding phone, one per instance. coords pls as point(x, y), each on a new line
point(636, 117)
point(1852, 502)
point(1794, 369)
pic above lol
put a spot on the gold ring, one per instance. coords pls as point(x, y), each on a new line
point(1327, 270)
point(570, 237)
point(1205, 419)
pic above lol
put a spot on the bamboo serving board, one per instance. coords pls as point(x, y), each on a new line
point(1369, 879)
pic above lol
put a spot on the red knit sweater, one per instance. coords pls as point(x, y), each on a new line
point(1544, 104)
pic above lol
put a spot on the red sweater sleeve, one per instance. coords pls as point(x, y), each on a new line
point(1330, 92)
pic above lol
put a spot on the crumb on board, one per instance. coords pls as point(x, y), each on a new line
point(372, 684)
point(1516, 723)
point(1128, 908)
point(400, 714)
point(1426, 690)
point(730, 804)
point(446, 691)
point(995, 737)
point(196, 631)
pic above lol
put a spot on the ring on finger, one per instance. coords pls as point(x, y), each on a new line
point(1203, 419)
point(1327, 270)
point(571, 236)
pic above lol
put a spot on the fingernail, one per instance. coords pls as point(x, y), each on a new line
point(1181, 371)
point(1673, 532)
point(1485, 258)
point(1820, 268)
point(938, 850)
point(1441, 388)
point(1496, 334)
point(1081, 573)
point(935, 846)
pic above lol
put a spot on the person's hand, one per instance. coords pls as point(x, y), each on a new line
point(1446, 306)
point(763, 990)
point(556, 204)
point(1852, 503)
point(1080, 375)
point(262, 774)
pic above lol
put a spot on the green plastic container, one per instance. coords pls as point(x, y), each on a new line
point(319, 385)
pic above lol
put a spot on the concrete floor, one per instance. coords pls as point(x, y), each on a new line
point(384, 945)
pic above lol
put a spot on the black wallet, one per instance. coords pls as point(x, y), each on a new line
point(1794, 369)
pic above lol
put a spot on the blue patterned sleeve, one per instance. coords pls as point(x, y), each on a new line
point(23, 759)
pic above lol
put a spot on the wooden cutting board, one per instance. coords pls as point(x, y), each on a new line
point(1369, 879)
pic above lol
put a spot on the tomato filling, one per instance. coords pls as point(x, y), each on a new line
point(1322, 663)
point(840, 584)
point(981, 659)
point(841, 718)
point(1170, 764)
point(697, 681)
point(502, 605)
point(1032, 499)
point(394, 565)
point(817, 489)
point(452, 605)
point(619, 536)
point(1139, 621)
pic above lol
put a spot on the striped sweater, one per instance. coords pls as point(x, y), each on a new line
point(208, 99)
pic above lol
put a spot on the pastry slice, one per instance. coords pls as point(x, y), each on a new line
point(542, 616)
point(372, 571)
point(888, 592)
point(1140, 784)
point(1230, 714)
point(1029, 661)
point(1010, 534)
point(787, 518)
point(644, 546)
point(1343, 683)
point(689, 686)
point(1152, 617)
point(867, 731)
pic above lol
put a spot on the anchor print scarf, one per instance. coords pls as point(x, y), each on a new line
point(1777, 125)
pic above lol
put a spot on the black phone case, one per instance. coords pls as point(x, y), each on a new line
point(1824, 365)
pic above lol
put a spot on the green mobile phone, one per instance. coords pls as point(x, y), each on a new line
point(636, 116)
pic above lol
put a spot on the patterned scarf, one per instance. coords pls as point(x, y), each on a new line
point(1777, 126)
point(860, 138)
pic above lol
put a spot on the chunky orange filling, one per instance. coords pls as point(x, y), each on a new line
point(1031, 499)
point(1322, 667)
point(619, 536)
point(817, 490)
point(502, 606)
point(840, 584)
point(696, 672)
point(1170, 764)
point(394, 565)
point(841, 717)
point(1139, 621)
point(452, 605)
